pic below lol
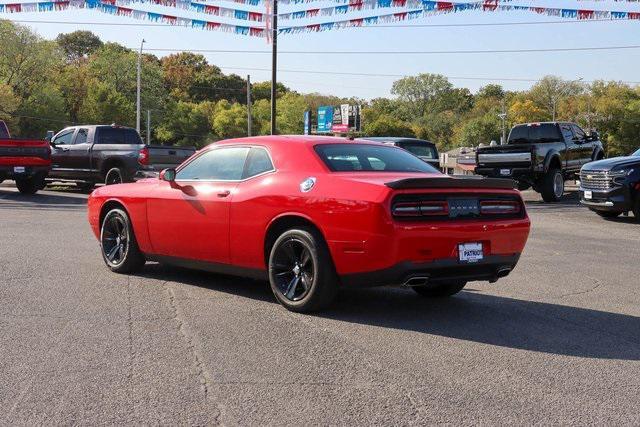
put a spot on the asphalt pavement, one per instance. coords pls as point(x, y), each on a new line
point(556, 342)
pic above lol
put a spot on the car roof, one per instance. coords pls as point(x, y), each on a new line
point(289, 139)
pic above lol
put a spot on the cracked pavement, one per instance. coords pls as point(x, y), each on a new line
point(558, 341)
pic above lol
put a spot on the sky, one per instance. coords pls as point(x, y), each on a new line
point(464, 70)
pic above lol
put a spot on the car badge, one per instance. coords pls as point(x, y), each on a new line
point(589, 176)
point(307, 184)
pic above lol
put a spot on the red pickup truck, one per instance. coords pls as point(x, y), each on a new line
point(27, 161)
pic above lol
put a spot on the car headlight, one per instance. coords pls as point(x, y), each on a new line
point(620, 175)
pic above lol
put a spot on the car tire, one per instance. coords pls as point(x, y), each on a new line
point(607, 214)
point(552, 187)
point(440, 291)
point(118, 243)
point(115, 176)
point(301, 271)
point(30, 185)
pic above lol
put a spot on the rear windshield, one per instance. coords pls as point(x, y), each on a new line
point(534, 133)
point(4, 132)
point(423, 151)
point(370, 158)
point(108, 135)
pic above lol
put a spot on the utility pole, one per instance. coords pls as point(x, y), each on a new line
point(138, 88)
point(503, 116)
point(148, 127)
point(248, 105)
point(274, 64)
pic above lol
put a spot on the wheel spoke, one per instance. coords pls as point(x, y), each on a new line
point(291, 289)
point(306, 257)
point(306, 282)
point(289, 251)
point(284, 273)
point(121, 252)
point(112, 252)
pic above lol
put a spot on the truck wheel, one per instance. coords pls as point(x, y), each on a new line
point(552, 185)
point(114, 176)
point(120, 249)
point(301, 271)
point(440, 291)
point(30, 185)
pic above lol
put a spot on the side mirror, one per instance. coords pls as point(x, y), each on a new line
point(49, 136)
point(168, 175)
point(594, 135)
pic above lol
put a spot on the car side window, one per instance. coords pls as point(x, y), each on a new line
point(221, 164)
point(81, 136)
point(567, 133)
point(64, 138)
point(580, 134)
point(258, 162)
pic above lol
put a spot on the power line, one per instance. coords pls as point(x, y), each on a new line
point(402, 52)
point(343, 73)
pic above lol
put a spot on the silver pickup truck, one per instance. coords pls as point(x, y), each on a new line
point(109, 154)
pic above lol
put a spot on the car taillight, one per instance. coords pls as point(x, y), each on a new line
point(425, 208)
point(499, 207)
point(143, 156)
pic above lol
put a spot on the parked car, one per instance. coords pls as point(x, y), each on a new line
point(541, 155)
point(313, 214)
point(26, 161)
point(426, 150)
point(90, 154)
point(611, 187)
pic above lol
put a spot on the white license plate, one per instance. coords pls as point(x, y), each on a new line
point(470, 252)
point(505, 172)
point(588, 195)
point(18, 169)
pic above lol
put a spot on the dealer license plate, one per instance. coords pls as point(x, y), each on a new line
point(505, 172)
point(588, 195)
point(18, 169)
point(470, 252)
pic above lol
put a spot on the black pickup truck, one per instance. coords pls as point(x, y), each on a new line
point(611, 187)
point(109, 154)
point(541, 155)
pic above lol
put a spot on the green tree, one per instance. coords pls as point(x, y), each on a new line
point(229, 120)
point(78, 45)
point(186, 124)
point(422, 93)
point(386, 125)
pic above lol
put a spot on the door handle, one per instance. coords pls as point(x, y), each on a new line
point(65, 149)
point(224, 193)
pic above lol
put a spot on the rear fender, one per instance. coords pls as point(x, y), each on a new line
point(551, 157)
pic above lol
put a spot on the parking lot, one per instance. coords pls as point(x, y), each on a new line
point(558, 341)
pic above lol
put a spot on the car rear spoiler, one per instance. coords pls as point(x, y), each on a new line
point(453, 182)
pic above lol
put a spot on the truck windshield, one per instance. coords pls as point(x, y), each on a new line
point(357, 157)
point(534, 134)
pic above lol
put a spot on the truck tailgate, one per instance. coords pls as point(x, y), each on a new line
point(15, 147)
point(517, 155)
point(161, 157)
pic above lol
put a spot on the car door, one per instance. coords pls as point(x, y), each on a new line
point(584, 147)
point(572, 154)
point(78, 156)
point(189, 218)
point(60, 154)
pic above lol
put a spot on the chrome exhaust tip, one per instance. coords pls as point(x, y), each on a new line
point(502, 272)
point(416, 281)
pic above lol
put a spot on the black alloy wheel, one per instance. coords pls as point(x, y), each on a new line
point(119, 247)
point(301, 271)
point(293, 269)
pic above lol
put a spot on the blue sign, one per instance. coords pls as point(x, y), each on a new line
point(307, 122)
point(325, 119)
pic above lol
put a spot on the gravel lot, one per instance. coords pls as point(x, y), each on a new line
point(558, 341)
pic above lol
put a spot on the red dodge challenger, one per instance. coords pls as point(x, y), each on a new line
point(312, 215)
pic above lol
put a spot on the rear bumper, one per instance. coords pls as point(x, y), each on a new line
point(13, 172)
point(517, 173)
point(439, 271)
